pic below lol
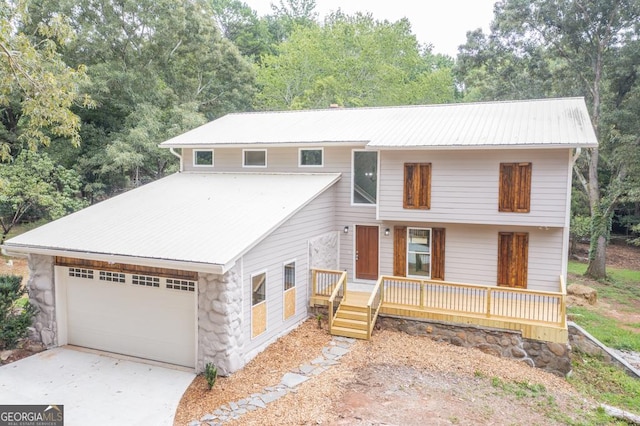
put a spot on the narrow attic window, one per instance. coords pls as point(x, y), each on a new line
point(203, 158)
point(254, 158)
point(311, 157)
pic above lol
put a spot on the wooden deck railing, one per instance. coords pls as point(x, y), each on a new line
point(470, 299)
point(339, 292)
point(373, 307)
point(324, 281)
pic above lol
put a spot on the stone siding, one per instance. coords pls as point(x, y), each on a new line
point(323, 251)
point(42, 295)
point(548, 356)
point(220, 338)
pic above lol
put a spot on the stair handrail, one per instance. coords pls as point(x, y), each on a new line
point(341, 282)
point(375, 294)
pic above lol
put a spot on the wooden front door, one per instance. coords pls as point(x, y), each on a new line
point(367, 252)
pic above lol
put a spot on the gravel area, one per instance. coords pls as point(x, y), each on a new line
point(392, 379)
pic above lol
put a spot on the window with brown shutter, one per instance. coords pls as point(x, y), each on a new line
point(513, 253)
point(401, 249)
point(515, 187)
point(417, 186)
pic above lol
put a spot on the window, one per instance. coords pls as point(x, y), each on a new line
point(81, 273)
point(365, 177)
point(415, 248)
point(203, 158)
point(417, 186)
point(145, 280)
point(254, 157)
point(115, 277)
point(419, 252)
point(258, 286)
point(183, 285)
point(513, 253)
point(515, 187)
point(311, 157)
point(289, 276)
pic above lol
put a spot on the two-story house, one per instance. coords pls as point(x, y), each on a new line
point(458, 212)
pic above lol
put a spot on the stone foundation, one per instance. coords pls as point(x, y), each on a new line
point(548, 356)
point(41, 289)
point(220, 338)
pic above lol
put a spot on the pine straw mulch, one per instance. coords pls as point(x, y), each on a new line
point(314, 401)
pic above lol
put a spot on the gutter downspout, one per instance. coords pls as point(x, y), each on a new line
point(171, 150)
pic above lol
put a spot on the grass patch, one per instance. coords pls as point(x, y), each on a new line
point(605, 383)
point(621, 286)
point(576, 268)
point(519, 389)
point(605, 329)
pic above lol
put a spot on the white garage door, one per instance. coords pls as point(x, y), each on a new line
point(139, 315)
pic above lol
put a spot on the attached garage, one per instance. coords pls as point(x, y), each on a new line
point(142, 312)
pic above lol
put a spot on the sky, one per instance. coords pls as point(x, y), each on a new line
point(441, 23)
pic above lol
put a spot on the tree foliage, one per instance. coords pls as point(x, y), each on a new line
point(15, 317)
point(38, 91)
point(33, 187)
point(352, 61)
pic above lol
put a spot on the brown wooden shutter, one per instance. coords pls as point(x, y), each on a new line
point(417, 186)
point(437, 250)
point(513, 253)
point(424, 201)
point(400, 251)
point(521, 259)
point(523, 188)
point(411, 186)
point(506, 198)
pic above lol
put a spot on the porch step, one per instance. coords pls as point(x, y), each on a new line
point(350, 321)
point(349, 332)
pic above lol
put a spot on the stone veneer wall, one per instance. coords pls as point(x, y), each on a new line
point(548, 356)
point(220, 338)
point(323, 251)
point(41, 286)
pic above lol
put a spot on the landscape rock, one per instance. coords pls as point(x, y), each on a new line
point(583, 292)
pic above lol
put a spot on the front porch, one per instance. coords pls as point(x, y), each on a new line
point(538, 315)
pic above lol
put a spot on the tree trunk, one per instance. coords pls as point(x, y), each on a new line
point(597, 258)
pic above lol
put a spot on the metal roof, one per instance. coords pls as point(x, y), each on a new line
point(197, 218)
point(561, 122)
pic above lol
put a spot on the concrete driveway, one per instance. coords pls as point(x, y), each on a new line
point(95, 389)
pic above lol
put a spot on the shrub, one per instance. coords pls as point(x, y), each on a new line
point(15, 315)
point(211, 374)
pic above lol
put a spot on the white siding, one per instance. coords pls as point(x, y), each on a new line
point(471, 254)
point(464, 192)
point(288, 242)
point(464, 186)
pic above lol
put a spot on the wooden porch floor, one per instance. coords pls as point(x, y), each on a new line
point(465, 310)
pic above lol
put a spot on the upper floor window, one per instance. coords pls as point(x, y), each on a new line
point(254, 158)
point(417, 186)
point(203, 158)
point(515, 187)
point(312, 157)
point(365, 177)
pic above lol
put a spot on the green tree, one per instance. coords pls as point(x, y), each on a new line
point(38, 91)
point(574, 43)
point(158, 68)
point(352, 61)
point(33, 187)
